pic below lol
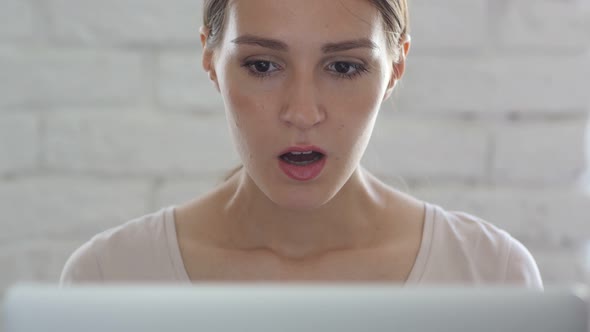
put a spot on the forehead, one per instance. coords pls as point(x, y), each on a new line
point(305, 20)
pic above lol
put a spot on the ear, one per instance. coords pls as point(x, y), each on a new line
point(207, 58)
point(399, 66)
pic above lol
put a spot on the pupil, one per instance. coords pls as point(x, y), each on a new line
point(262, 66)
point(342, 67)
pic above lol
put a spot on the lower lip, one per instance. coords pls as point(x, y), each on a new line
point(303, 173)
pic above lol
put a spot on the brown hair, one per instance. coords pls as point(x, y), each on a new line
point(394, 13)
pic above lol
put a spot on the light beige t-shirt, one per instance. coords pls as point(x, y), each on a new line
point(456, 248)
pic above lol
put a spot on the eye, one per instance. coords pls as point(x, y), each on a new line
point(261, 68)
point(347, 69)
point(343, 67)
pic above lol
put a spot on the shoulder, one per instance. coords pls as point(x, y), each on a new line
point(108, 255)
point(466, 232)
point(470, 249)
point(521, 267)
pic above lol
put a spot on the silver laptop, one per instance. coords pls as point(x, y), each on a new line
point(292, 308)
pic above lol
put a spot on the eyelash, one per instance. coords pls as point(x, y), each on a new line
point(359, 69)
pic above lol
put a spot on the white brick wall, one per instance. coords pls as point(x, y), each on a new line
point(432, 149)
point(16, 20)
point(498, 83)
point(104, 115)
point(184, 85)
point(51, 205)
point(531, 26)
point(545, 153)
point(40, 77)
point(34, 260)
point(542, 83)
point(19, 142)
point(449, 26)
point(135, 142)
point(129, 22)
point(445, 83)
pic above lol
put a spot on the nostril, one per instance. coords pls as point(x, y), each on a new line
point(303, 118)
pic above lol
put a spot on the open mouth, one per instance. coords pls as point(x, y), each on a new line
point(302, 158)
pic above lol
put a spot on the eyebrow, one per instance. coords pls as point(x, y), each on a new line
point(349, 45)
point(278, 45)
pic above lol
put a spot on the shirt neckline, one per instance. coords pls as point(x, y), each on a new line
point(421, 261)
point(413, 278)
point(173, 246)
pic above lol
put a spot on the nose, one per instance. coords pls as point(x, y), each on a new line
point(302, 108)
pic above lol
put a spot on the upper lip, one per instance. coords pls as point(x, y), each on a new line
point(303, 148)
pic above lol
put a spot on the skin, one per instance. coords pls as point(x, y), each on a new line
point(262, 225)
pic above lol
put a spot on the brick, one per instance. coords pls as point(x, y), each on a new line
point(451, 84)
point(16, 20)
point(135, 143)
point(542, 83)
point(36, 260)
point(549, 219)
point(12, 268)
point(419, 148)
point(19, 142)
point(549, 153)
point(581, 255)
point(175, 192)
point(127, 21)
point(439, 84)
point(45, 77)
point(559, 268)
point(41, 206)
point(445, 84)
point(449, 25)
point(183, 84)
point(550, 25)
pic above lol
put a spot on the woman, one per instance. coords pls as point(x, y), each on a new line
point(302, 82)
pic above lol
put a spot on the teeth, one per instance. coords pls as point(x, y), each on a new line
point(298, 153)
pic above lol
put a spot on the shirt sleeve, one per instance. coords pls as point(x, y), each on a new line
point(82, 267)
point(521, 268)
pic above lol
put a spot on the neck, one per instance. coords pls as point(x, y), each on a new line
point(350, 220)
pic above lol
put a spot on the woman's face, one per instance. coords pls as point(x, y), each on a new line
point(307, 74)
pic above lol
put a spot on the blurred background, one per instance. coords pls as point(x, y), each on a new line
point(106, 115)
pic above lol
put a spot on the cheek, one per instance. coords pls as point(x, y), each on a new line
point(248, 112)
point(240, 104)
point(355, 108)
point(241, 96)
point(354, 104)
point(250, 100)
point(358, 97)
